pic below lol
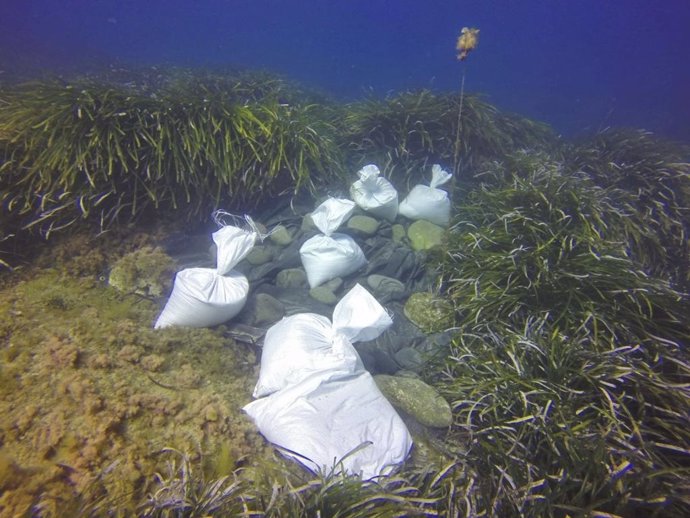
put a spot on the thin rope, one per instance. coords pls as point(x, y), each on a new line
point(456, 157)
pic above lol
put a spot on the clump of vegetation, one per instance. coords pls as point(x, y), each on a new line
point(649, 179)
point(108, 149)
point(568, 374)
point(183, 492)
point(279, 491)
point(538, 240)
point(109, 153)
point(405, 132)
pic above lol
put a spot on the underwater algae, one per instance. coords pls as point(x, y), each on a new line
point(147, 271)
point(90, 395)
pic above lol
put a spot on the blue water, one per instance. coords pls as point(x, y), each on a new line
point(579, 65)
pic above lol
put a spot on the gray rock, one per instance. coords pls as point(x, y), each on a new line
point(259, 255)
point(417, 399)
point(386, 288)
point(402, 333)
point(424, 235)
point(363, 225)
point(430, 313)
point(385, 230)
point(398, 233)
point(436, 343)
point(281, 236)
point(377, 359)
point(410, 358)
point(261, 310)
point(323, 295)
point(308, 224)
point(291, 278)
point(287, 257)
point(393, 260)
point(296, 300)
point(333, 285)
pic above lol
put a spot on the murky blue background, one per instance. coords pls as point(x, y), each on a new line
point(580, 65)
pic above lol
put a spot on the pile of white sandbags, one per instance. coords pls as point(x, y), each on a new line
point(204, 297)
point(319, 405)
point(429, 202)
point(330, 255)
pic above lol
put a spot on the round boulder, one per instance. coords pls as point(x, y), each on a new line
point(424, 235)
point(428, 312)
point(417, 399)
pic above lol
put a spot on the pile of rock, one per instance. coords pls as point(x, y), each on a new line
point(396, 273)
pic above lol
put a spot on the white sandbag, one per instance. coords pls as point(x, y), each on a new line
point(302, 344)
point(232, 245)
point(298, 346)
point(324, 409)
point(429, 202)
point(327, 257)
point(331, 214)
point(331, 255)
point(329, 415)
point(375, 194)
point(202, 298)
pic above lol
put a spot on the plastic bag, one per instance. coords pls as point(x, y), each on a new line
point(324, 409)
point(331, 255)
point(203, 297)
point(305, 343)
point(429, 202)
point(375, 194)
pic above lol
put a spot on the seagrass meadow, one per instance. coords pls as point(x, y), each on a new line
point(566, 266)
point(109, 153)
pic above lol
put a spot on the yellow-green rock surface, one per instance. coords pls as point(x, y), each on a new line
point(417, 399)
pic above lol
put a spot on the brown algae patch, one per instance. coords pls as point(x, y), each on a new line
point(90, 394)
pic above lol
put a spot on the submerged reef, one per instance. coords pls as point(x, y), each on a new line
point(89, 394)
point(562, 285)
point(147, 271)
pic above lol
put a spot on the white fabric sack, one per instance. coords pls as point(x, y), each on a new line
point(303, 344)
point(204, 297)
point(331, 214)
point(428, 202)
point(324, 410)
point(331, 255)
point(232, 245)
point(327, 416)
point(298, 346)
point(375, 194)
